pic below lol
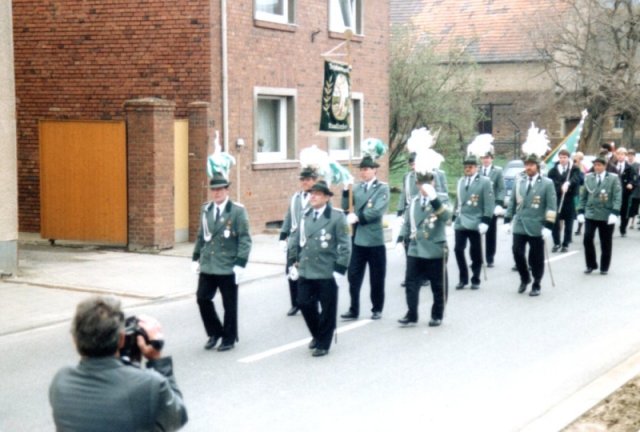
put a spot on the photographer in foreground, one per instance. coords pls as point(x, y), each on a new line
point(102, 393)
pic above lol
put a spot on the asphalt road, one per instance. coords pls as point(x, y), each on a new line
point(499, 361)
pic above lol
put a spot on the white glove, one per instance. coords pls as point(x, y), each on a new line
point(195, 267)
point(347, 182)
point(238, 271)
point(337, 275)
point(613, 219)
point(293, 273)
point(352, 218)
point(498, 211)
point(430, 191)
point(546, 233)
point(283, 245)
point(580, 218)
point(565, 187)
point(507, 228)
point(483, 228)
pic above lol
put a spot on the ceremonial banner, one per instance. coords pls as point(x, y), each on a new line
point(570, 143)
point(336, 100)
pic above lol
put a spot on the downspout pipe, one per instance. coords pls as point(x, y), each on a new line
point(225, 80)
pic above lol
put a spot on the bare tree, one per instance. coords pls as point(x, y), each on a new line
point(432, 86)
point(591, 52)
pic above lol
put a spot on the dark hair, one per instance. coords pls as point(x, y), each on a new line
point(97, 325)
point(564, 152)
point(606, 146)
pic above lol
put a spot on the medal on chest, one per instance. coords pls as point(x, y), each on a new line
point(535, 203)
point(227, 230)
point(324, 237)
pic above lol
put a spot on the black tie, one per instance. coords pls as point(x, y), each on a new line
point(315, 215)
point(486, 172)
point(529, 187)
point(217, 213)
point(468, 181)
point(304, 196)
point(365, 187)
point(599, 180)
point(424, 203)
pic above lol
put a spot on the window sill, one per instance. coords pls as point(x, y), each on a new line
point(285, 164)
point(275, 25)
point(339, 35)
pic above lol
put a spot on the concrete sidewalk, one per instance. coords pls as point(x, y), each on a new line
point(53, 279)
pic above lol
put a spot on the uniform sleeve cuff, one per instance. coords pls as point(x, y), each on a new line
point(340, 269)
point(283, 236)
point(486, 220)
point(240, 262)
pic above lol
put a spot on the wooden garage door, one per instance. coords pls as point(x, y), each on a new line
point(83, 181)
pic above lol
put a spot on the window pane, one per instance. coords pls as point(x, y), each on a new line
point(268, 138)
point(338, 143)
point(275, 7)
point(343, 15)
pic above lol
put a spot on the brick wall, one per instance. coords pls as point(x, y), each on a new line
point(82, 59)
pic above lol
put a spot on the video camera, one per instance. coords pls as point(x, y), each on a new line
point(130, 352)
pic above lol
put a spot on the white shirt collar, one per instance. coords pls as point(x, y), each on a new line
point(221, 206)
point(320, 210)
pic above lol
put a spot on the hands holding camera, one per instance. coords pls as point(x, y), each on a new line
point(154, 334)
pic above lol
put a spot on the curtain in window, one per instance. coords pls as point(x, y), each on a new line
point(268, 121)
point(275, 7)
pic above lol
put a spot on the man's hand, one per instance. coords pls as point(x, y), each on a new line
point(613, 219)
point(483, 228)
point(629, 186)
point(347, 182)
point(283, 245)
point(352, 218)
point(546, 233)
point(565, 187)
point(238, 271)
point(154, 332)
point(498, 211)
point(293, 273)
point(580, 218)
point(507, 228)
point(195, 266)
point(430, 191)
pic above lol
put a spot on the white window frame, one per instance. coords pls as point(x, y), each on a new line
point(286, 123)
point(285, 18)
point(336, 23)
point(356, 129)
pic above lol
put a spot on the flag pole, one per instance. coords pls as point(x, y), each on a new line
point(348, 34)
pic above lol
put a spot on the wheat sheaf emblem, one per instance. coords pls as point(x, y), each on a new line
point(327, 95)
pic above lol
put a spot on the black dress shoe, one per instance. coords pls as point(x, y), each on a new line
point(349, 315)
point(376, 315)
point(564, 249)
point(294, 310)
point(403, 284)
point(407, 321)
point(211, 343)
point(534, 292)
point(460, 285)
point(490, 265)
point(602, 272)
point(514, 268)
point(226, 346)
point(313, 344)
point(475, 286)
point(523, 287)
point(555, 248)
point(319, 352)
point(589, 270)
point(434, 322)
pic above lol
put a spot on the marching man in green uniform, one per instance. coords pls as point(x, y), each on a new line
point(494, 174)
point(370, 202)
point(221, 251)
point(600, 202)
point(320, 247)
point(297, 205)
point(533, 213)
point(474, 210)
point(424, 225)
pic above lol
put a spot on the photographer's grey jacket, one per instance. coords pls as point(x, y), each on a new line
point(103, 394)
point(224, 243)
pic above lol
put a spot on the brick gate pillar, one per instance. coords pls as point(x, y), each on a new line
point(150, 171)
point(200, 145)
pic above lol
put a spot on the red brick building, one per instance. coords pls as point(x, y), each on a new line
point(250, 68)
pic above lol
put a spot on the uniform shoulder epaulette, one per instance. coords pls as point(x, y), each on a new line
point(338, 209)
point(207, 205)
point(237, 204)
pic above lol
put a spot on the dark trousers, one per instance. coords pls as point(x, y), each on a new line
point(490, 240)
point(208, 284)
point(433, 270)
point(376, 257)
point(321, 323)
point(535, 261)
point(624, 212)
point(605, 232)
point(566, 216)
point(475, 251)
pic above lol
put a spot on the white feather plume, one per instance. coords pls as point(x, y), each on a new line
point(537, 142)
point(427, 161)
point(313, 157)
point(481, 145)
point(420, 139)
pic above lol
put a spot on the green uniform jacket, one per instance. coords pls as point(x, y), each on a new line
point(293, 216)
point(370, 207)
point(598, 202)
point(497, 181)
point(326, 245)
point(474, 205)
point(534, 210)
point(408, 192)
point(229, 243)
point(425, 227)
